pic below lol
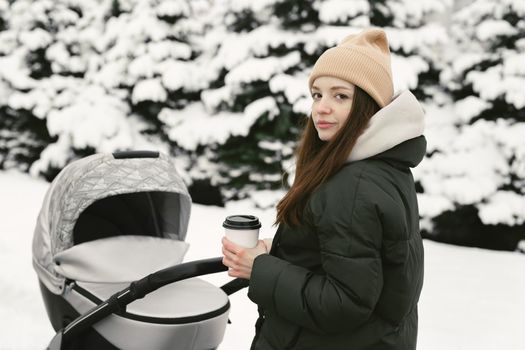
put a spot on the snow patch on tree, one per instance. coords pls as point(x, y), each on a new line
point(261, 68)
point(504, 207)
point(149, 90)
point(470, 107)
point(193, 126)
point(334, 11)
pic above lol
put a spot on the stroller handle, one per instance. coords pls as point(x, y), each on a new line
point(136, 290)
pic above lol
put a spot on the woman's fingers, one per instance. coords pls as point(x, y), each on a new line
point(240, 260)
point(232, 247)
point(235, 269)
point(239, 273)
point(233, 260)
point(228, 254)
point(235, 273)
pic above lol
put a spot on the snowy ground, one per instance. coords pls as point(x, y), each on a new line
point(472, 298)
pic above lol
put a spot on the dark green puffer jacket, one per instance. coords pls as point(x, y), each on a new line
point(350, 277)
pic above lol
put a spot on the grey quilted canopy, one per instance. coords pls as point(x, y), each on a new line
point(91, 179)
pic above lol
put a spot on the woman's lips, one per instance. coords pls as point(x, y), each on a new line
point(324, 125)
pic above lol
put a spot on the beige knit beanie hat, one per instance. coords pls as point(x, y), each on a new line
point(362, 59)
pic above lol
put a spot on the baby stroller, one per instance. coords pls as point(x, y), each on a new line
point(107, 249)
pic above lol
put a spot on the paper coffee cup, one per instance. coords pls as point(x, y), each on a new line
point(242, 230)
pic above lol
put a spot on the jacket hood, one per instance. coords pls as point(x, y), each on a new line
point(400, 123)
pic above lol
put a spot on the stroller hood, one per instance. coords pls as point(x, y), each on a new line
point(91, 180)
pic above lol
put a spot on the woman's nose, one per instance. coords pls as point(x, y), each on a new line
point(323, 107)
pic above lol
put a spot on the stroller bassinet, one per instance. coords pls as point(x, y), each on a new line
point(108, 220)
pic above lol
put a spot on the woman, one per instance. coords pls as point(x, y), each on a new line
point(345, 268)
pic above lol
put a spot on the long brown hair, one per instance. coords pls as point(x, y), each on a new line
point(317, 160)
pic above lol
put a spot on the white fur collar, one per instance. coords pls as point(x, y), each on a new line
point(401, 120)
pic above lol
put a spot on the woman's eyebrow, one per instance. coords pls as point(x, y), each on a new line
point(333, 88)
point(340, 87)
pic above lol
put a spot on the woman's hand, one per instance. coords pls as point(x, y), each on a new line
point(268, 242)
point(239, 259)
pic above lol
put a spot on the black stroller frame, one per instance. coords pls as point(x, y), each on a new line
point(137, 290)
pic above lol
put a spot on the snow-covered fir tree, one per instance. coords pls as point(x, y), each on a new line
point(474, 177)
point(98, 73)
point(262, 53)
point(221, 85)
point(23, 136)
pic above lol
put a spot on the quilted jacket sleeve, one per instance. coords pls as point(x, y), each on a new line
point(349, 232)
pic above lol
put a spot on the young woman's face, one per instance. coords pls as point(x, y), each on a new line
point(332, 101)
